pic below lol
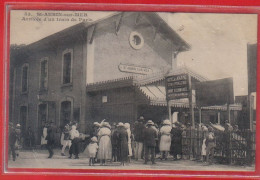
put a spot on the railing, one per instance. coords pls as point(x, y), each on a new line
point(233, 147)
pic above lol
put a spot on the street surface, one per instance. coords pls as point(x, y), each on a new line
point(38, 159)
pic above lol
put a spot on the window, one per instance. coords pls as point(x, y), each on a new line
point(25, 70)
point(136, 40)
point(67, 67)
point(65, 114)
point(44, 74)
point(42, 114)
point(23, 118)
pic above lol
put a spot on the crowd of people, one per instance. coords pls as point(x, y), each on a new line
point(122, 142)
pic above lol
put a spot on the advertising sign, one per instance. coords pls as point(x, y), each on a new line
point(216, 92)
point(177, 86)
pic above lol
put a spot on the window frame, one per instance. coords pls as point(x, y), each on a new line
point(27, 114)
point(71, 65)
point(27, 80)
point(71, 100)
point(38, 110)
point(40, 74)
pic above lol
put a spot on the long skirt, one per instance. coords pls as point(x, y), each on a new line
point(130, 151)
point(165, 143)
point(123, 151)
point(43, 140)
point(203, 148)
point(105, 148)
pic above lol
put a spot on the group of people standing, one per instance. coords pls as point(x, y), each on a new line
point(70, 138)
point(121, 142)
point(114, 143)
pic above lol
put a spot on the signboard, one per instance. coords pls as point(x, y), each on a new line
point(217, 92)
point(134, 69)
point(177, 87)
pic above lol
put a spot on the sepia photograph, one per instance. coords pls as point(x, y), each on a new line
point(130, 90)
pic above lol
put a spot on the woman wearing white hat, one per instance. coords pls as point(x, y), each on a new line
point(165, 140)
point(105, 146)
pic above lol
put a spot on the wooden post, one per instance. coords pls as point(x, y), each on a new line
point(218, 117)
point(200, 115)
point(191, 103)
point(228, 113)
point(169, 111)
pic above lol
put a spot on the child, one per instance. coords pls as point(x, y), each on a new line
point(92, 150)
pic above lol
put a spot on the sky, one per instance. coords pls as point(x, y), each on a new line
point(218, 41)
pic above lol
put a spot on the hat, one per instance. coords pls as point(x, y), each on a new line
point(167, 122)
point(141, 118)
point(210, 129)
point(94, 139)
point(18, 125)
point(120, 124)
point(106, 124)
point(114, 124)
point(127, 125)
point(96, 124)
point(150, 122)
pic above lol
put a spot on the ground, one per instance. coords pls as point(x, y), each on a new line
point(38, 159)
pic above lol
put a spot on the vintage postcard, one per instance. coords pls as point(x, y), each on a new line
point(132, 90)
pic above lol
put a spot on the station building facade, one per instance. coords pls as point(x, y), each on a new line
point(113, 68)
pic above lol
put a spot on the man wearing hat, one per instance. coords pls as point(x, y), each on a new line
point(13, 137)
point(50, 138)
point(138, 137)
point(114, 142)
point(150, 137)
point(226, 141)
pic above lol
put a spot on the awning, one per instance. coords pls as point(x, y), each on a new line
point(157, 97)
point(233, 107)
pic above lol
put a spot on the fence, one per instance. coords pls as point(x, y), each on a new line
point(234, 147)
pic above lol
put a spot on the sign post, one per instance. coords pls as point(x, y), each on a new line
point(191, 104)
point(177, 87)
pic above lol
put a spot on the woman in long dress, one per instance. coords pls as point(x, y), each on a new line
point(44, 134)
point(165, 140)
point(105, 146)
point(130, 151)
point(122, 143)
point(204, 147)
point(176, 144)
